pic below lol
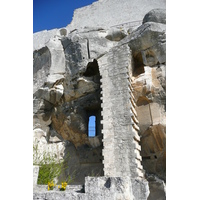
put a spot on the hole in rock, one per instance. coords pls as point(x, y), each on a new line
point(92, 69)
point(63, 32)
point(138, 66)
point(146, 157)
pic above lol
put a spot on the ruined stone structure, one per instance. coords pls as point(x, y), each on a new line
point(114, 69)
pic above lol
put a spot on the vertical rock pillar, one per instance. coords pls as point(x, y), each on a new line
point(121, 149)
point(120, 138)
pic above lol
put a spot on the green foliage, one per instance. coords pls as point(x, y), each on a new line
point(49, 172)
point(94, 173)
point(50, 166)
point(71, 178)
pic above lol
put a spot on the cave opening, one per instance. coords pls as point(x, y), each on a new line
point(93, 106)
point(137, 63)
point(92, 69)
point(90, 154)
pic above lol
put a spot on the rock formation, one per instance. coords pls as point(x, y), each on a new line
point(117, 74)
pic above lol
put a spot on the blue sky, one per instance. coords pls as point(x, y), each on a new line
point(91, 126)
point(50, 14)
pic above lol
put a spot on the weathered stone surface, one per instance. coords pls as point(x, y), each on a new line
point(118, 188)
point(71, 193)
point(41, 67)
point(117, 121)
point(151, 110)
point(156, 187)
point(153, 142)
point(99, 188)
point(113, 12)
point(144, 117)
point(35, 174)
point(115, 34)
point(149, 40)
point(140, 188)
point(41, 38)
point(155, 15)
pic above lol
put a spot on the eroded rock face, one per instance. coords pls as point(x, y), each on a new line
point(157, 188)
point(148, 45)
point(67, 91)
point(155, 15)
point(65, 97)
point(153, 152)
point(150, 95)
point(110, 13)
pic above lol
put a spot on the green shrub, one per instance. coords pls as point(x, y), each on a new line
point(50, 166)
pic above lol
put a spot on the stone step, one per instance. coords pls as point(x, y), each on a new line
point(135, 126)
point(136, 138)
point(133, 109)
point(134, 119)
point(136, 145)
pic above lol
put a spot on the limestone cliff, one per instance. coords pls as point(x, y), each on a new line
point(71, 67)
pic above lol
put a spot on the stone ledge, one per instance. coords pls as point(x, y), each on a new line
point(102, 188)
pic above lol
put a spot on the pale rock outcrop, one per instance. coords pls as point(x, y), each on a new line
point(113, 12)
point(148, 42)
point(155, 15)
point(150, 96)
point(57, 69)
point(116, 34)
point(41, 38)
point(41, 67)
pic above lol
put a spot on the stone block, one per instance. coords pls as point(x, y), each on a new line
point(153, 144)
point(156, 187)
point(35, 174)
point(144, 117)
point(140, 188)
point(39, 196)
point(117, 187)
point(157, 113)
